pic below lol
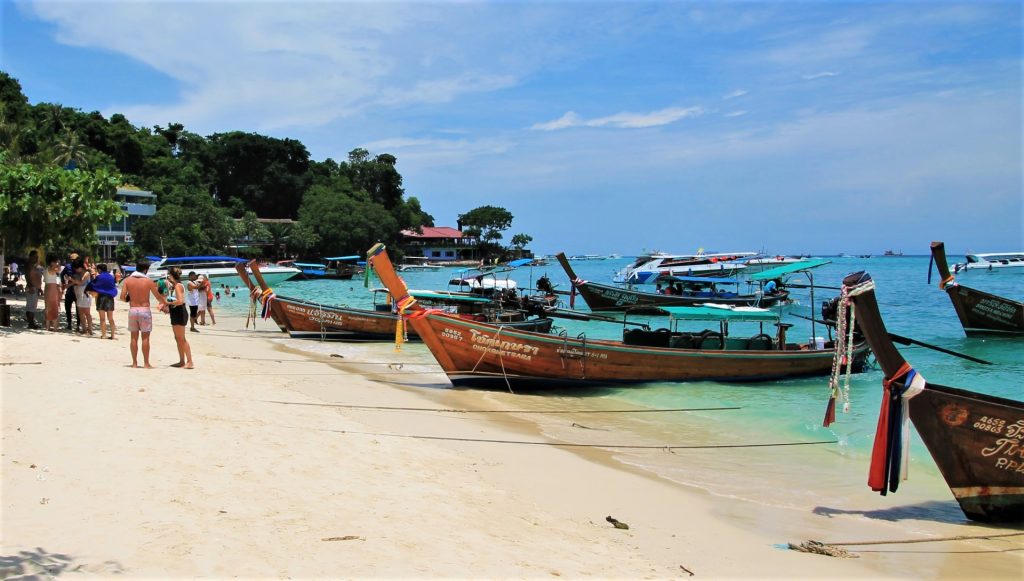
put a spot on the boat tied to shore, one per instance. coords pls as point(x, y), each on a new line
point(481, 354)
point(217, 269)
point(976, 440)
point(305, 319)
point(980, 313)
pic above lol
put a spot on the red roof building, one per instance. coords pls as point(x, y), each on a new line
point(439, 243)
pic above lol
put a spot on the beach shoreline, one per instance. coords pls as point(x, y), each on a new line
point(272, 461)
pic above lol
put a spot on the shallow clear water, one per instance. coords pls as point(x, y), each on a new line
point(782, 412)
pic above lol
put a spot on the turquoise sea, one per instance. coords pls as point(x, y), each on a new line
point(824, 477)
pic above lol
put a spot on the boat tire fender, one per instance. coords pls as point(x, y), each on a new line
point(710, 340)
point(761, 342)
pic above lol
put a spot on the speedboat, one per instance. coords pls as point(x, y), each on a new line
point(648, 267)
point(992, 261)
point(217, 269)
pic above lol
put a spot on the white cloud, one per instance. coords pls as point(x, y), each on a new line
point(735, 94)
point(624, 120)
point(820, 75)
point(736, 113)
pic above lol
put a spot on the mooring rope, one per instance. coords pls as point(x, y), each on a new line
point(496, 411)
point(836, 550)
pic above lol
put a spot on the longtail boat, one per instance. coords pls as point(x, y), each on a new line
point(606, 297)
point(304, 319)
point(980, 313)
point(976, 440)
point(475, 353)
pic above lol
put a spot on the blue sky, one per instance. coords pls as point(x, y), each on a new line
point(602, 126)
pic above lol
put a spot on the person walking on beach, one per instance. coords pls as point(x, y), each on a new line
point(208, 293)
point(66, 276)
point(179, 317)
point(106, 289)
point(136, 290)
point(51, 293)
point(192, 299)
point(203, 301)
point(33, 288)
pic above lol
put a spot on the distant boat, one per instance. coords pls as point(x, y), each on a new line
point(893, 253)
point(696, 291)
point(992, 262)
point(974, 438)
point(217, 269)
point(334, 268)
point(648, 267)
point(980, 313)
point(418, 264)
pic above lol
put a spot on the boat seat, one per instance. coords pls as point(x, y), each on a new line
point(643, 338)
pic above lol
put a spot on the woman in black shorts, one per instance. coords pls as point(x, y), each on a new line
point(179, 317)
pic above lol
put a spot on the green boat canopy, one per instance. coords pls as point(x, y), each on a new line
point(709, 312)
point(788, 269)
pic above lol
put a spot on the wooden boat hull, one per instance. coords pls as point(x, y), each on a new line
point(480, 354)
point(977, 441)
point(980, 313)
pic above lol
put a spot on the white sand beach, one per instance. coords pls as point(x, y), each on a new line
point(258, 464)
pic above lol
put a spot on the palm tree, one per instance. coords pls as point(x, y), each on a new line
point(10, 139)
point(70, 149)
point(279, 233)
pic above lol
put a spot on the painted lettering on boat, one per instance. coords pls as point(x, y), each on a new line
point(575, 353)
point(995, 310)
point(619, 297)
point(317, 315)
point(1007, 450)
point(453, 334)
point(495, 345)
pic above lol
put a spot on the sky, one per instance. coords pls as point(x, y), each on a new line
point(603, 127)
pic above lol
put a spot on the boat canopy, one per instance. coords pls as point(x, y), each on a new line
point(353, 257)
point(430, 295)
point(309, 265)
point(788, 269)
point(520, 262)
point(174, 259)
point(713, 312)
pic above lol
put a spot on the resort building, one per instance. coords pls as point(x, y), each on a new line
point(440, 244)
point(140, 204)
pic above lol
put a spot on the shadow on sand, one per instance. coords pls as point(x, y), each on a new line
point(42, 564)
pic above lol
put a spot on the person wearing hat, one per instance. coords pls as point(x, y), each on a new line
point(66, 275)
point(204, 285)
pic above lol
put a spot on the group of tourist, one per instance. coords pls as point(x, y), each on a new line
point(84, 285)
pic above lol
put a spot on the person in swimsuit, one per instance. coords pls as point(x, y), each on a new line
point(179, 317)
point(136, 290)
point(81, 278)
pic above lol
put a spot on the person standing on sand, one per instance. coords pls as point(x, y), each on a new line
point(179, 317)
point(106, 291)
point(51, 293)
point(69, 290)
point(81, 279)
point(192, 299)
point(136, 290)
point(33, 288)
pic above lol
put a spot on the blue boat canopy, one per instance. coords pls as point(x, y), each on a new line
point(353, 257)
point(712, 312)
point(520, 262)
point(440, 296)
point(173, 259)
point(309, 265)
point(788, 269)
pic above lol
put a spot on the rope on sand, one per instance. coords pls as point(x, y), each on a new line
point(835, 550)
point(458, 411)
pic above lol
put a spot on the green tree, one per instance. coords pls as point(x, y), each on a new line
point(187, 222)
point(303, 238)
point(70, 149)
point(280, 233)
point(53, 207)
point(346, 221)
point(268, 175)
point(487, 222)
point(519, 241)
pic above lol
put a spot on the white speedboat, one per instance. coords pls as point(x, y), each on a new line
point(992, 261)
point(761, 262)
point(648, 267)
point(218, 269)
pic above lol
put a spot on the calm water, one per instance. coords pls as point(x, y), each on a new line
point(806, 477)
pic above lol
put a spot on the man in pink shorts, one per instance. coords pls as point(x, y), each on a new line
point(136, 290)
